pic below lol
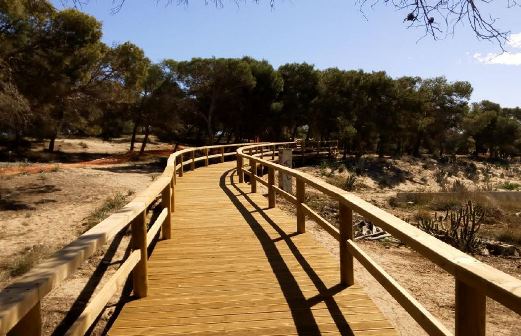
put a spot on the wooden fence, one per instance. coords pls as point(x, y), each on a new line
point(475, 281)
point(20, 308)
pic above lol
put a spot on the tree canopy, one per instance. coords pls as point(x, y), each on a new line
point(57, 78)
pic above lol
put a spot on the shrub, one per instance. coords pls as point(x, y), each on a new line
point(510, 186)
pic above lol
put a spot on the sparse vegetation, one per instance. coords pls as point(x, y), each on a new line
point(458, 227)
point(29, 258)
point(510, 235)
point(510, 186)
point(109, 206)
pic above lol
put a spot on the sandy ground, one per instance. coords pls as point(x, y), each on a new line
point(45, 209)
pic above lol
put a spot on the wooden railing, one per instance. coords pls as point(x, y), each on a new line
point(20, 312)
point(475, 281)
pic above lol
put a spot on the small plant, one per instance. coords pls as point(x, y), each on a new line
point(109, 206)
point(512, 186)
point(28, 259)
point(350, 182)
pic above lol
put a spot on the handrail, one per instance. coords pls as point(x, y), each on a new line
point(20, 301)
point(474, 280)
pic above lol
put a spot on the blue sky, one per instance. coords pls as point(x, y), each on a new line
point(331, 33)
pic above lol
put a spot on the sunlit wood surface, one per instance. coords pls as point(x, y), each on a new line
point(235, 267)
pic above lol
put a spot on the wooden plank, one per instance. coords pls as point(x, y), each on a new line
point(333, 231)
point(237, 267)
point(286, 195)
point(156, 227)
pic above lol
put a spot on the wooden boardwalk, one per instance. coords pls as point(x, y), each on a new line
point(235, 267)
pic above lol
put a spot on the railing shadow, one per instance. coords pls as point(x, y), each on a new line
point(88, 289)
point(300, 307)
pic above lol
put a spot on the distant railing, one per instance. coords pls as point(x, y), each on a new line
point(474, 280)
point(20, 312)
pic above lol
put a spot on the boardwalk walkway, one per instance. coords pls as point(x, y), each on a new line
point(235, 267)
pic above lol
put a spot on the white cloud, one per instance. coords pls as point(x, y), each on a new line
point(506, 58)
point(514, 40)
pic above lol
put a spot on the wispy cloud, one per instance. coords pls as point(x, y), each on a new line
point(505, 58)
point(514, 40)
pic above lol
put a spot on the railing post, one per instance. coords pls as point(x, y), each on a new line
point(239, 168)
point(182, 165)
point(139, 242)
point(174, 176)
point(271, 190)
point(166, 201)
point(346, 232)
point(471, 307)
point(206, 160)
point(222, 154)
point(30, 324)
point(172, 198)
point(192, 164)
point(262, 152)
point(253, 181)
point(301, 198)
point(273, 152)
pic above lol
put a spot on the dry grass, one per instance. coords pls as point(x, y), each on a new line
point(31, 257)
point(109, 206)
point(510, 235)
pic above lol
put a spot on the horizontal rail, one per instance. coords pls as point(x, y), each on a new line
point(154, 229)
point(482, 278)
point(100, 300)
point(333, 231)
point(289, 197)
point(429, 323)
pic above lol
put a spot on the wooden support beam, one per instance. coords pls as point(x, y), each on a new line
point(222, 154)
point(271, 190)
point(253, 181)
point(273, 152)
point(174, 175)
point(30, 324)
point(181, 169)
point(240, 161)
point(139, 242)
point(471, 308)
point(301, 198)
point(346, 258)
point(166, 201)
point(206, 159)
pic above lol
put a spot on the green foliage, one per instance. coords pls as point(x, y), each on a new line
point(510, 186)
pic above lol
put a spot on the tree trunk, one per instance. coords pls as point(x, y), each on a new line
point(134, 133)
point(145, 140)
point(51, 144)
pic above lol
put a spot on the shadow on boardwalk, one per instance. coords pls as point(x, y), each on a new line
point(300, 307)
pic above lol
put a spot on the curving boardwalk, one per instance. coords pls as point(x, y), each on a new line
point(235, 267)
